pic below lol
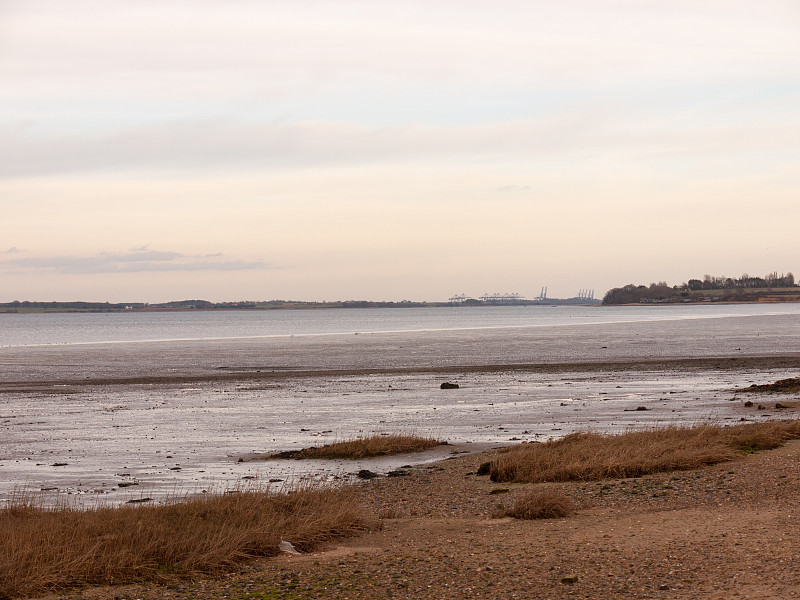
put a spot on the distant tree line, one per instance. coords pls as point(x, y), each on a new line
point(663, 292)
point(709, 282)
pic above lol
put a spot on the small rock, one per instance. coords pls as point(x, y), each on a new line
point(366, 474)
point(663, 586)
point(569, 579)
point(748, 404)
point(448, 386)
point(139, 500)
point(397, 473)
point(287, 547)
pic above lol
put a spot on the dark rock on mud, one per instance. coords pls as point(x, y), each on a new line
point(484, 468)
point(398, 473)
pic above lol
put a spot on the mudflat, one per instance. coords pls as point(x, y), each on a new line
point(724, 531)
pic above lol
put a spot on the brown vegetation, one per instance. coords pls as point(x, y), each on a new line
point(57, 548)
point(591, 456)
point(364, 447)
point(782, 386)
point(540, 504)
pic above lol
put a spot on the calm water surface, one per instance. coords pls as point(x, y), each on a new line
point(87, 328)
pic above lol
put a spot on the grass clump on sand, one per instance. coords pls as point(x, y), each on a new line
point(591, 456)
point(540, 504)
point(49, 549)
point(365, 447)
point(782, 386)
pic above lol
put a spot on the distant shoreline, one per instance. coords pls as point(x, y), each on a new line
point(205, 306)
point(37, 308)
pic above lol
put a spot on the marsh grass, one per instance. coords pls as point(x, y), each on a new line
point(55, 548)
point(540, 504)
point(591, 456)
point(782, 386)
point(364, 447)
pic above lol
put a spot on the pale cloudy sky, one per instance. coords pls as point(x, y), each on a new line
point(168, 149)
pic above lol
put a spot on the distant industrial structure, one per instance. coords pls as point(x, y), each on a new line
point(584, 297)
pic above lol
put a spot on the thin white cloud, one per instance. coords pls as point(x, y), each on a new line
point(137, 261)
point(227, 144)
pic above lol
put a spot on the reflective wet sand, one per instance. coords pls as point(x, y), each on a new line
point(126, 421)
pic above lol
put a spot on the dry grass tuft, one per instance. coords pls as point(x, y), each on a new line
point(541, 504)
point(50, 549)
point(591, 456)
point(365, 447)
point(782, 386)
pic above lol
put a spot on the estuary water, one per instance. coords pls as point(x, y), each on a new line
point(144, 405)
point(89, 328)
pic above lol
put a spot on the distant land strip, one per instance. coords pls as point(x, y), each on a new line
point(204, 305)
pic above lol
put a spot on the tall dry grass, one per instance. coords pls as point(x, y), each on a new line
point(540, 504)
point(49, 549)
point(365, 447)
point(591, 456)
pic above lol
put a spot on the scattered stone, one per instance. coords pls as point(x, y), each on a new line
point(570, 579)
point(761, 407)
point(499, 491)
point(125, 484)
point(779, 405)
point(397, 473)
point(366, 474)
point(642, 408)
point(748, 404)
point(287, 547)
point(275, 480)
point(139, 500)
point(59, 464)
point(249, 477)
point(449, 386)
point(663, 586)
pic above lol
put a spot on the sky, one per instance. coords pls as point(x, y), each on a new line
point(386, 150)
